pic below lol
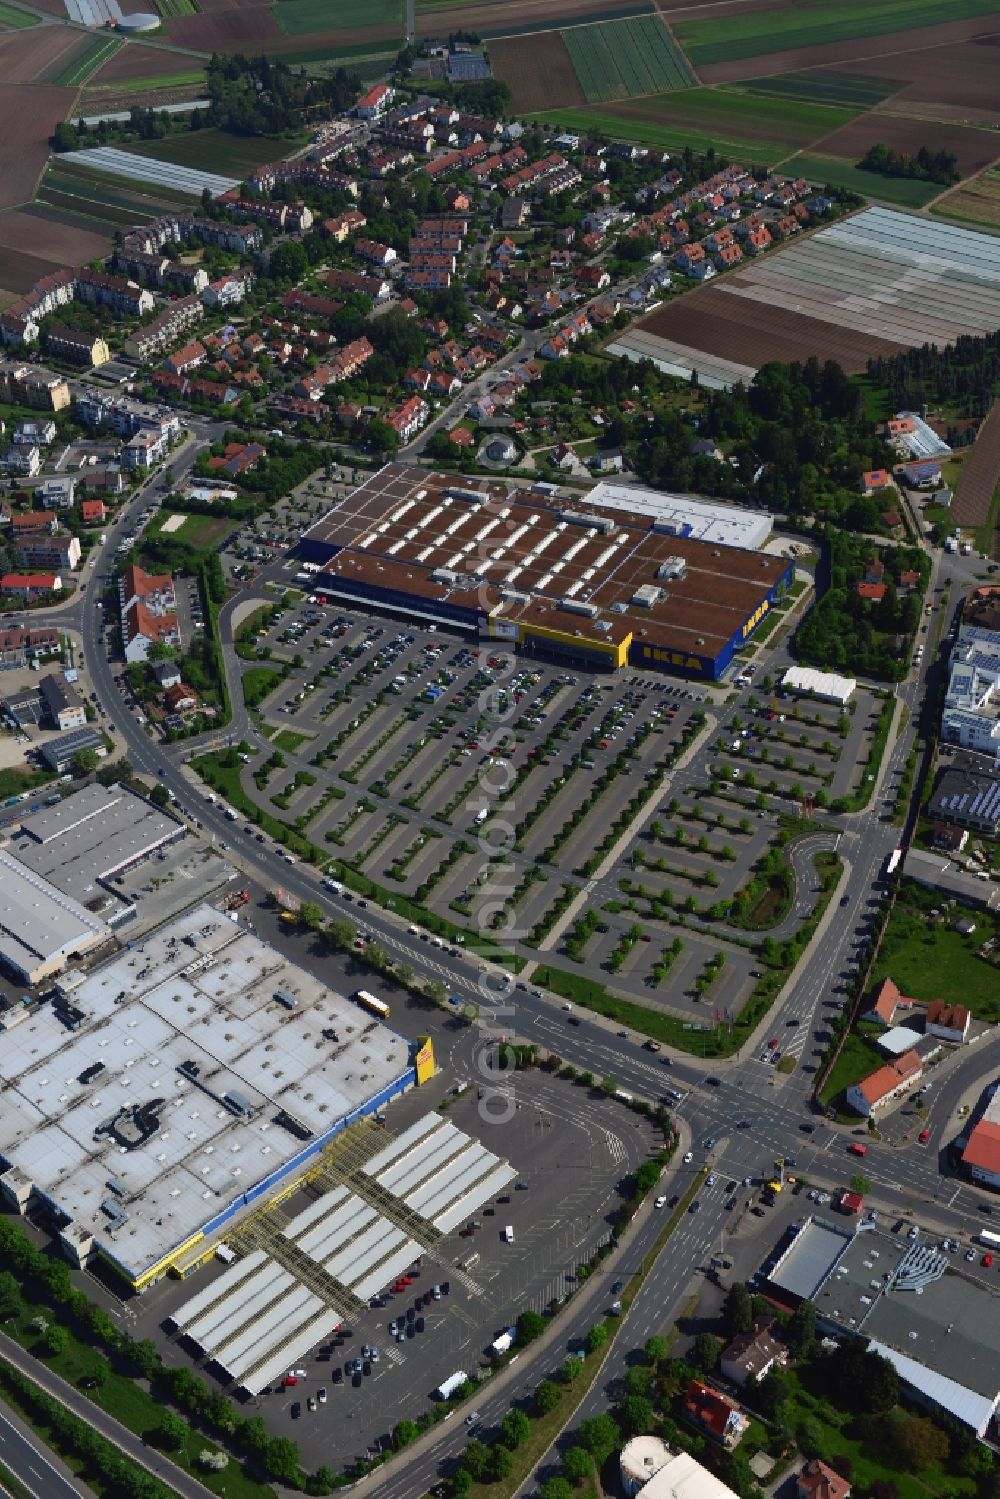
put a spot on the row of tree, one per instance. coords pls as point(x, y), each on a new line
point(925, 166)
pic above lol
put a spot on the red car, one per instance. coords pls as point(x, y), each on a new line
point(987, 1261)
point(924, 1136)
point(772, 1043)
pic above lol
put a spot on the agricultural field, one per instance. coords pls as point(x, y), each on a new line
point(22, 238)
point(14, 18)
point(538, 70)
point(624, 59)
point(518, 17)
point(637, 120)
point(839, 173)
point(249, 29)
point(302, 17)
point(786, 124)
point(28, 116)
point(214, 151)
point(977, 201)
point(815, 23)
point(142, 66)
point(113, 200)
point(973, 148)
point(93, 54)
point(847, 293)
point(825, 86)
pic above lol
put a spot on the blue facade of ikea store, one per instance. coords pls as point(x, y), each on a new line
point(468, 616)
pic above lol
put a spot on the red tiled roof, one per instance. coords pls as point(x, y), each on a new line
point(952, 1017)
point(884, 1080)
point(983, 1149)
point(817, 1481)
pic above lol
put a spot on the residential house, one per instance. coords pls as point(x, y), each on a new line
point(93, 512)
point(752, 1354)
point(57, 494)
point(187, 358)
point(949, 1022)
point(179, 698)
point(20, 646)
point(167, 673)
point(148, 612)
point(374, 252)
point(563, 456)
point(883, 1002)
point(88, 350)
point(922, 474)
point(593, 277)
point(62, 703)
point(58, 553)
point(34, 434)
point(874, 593)
point(408, 418)
point(33, 523)
point(238, 458)
point(228, 290)
point(886, 1085)
point(344, 224)
point(373, 104)
point(24, 463)
point(32, 385)
point(819, 1481)
point(758, 239)
point(30, 585)
point(875, 481)
point(715, 1414)
point(461, 437)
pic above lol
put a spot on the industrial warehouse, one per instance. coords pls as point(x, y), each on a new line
point(620, 577)
point(936, 1325)
point(151, 1102)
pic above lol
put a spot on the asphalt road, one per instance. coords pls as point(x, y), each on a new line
point(26, 1462)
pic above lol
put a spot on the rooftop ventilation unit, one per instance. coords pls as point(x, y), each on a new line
point(515, 595)
point(577, 606)
point(446, 575)
point(602, 523)
point(673, 567)
point(647, 596)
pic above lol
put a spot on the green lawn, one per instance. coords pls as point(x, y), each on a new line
point(258, 683)
point(812, 23)
point(168, 80)
point(291, 740)
point(13, 781)
point(11, 16)
point(214, 150)
point(649, 132)
point(840, 173)
point(300, 17)
point(856, 1060)
point(932, 961)
point(205, 532)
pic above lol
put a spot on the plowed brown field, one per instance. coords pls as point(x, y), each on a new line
point(538, 71)
point(137, 61)
point(228, 31)
point(27, 54)
point(30, 248)
point(747, 332)
point(964, 73)
point(975, 149)
point(29, 113)
point(882, 47)
point(980, 476)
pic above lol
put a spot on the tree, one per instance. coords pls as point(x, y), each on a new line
point(801, 1333)
point(656, 1349)
point(515, 1429)
point(281, 1459)
point(381, 438)
point(577, 1465)
point(600, 1436)
point(570, 1370)
point(323, 1481)
point(65, 137)
point(596, 1337)
point(530, 1325)
point(56, 1340)
point(546, 1397)
point(311, 915)
point(501, 1463)
point(171, 1432)
point(403, 1433)
point(705, 1351)
point(637, 1414)
point(159, 795)
point(916, 1442)
point(556, 1488)
point(10, 1296)
point(737, 1310)
point(476, 1458)
point(83, 762)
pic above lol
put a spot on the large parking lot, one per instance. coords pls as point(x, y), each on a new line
point(572, 1149)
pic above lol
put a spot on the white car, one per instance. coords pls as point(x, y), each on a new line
point(321, 1396)
point(711, 1179)
point(970, 1255)
point(660, 1202)
point(689, 1157)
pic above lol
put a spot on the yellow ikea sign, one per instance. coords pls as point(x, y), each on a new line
point(424, 1060)
point(673, 658)
point(755, 618)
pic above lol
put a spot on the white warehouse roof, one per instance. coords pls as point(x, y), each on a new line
point(683, 1477)
point(684, 515)
point(175, 1082)
point(40, 927)
point(825, 684)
